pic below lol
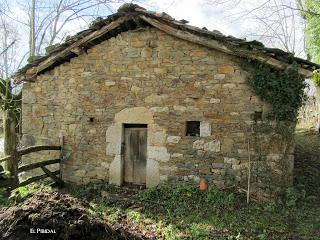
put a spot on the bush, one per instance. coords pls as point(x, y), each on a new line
point(290, 197)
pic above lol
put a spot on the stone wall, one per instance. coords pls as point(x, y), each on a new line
point(309, 114)
point(171, 81)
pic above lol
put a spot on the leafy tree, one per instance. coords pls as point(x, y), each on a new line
point(310, 10)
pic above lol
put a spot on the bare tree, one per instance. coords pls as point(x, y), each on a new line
point(46, 25)
point(32, 37)
point(48, 19)
point(278, 22)
point(7, 40)
point(10, 103)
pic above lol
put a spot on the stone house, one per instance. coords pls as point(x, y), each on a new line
point(142, 98)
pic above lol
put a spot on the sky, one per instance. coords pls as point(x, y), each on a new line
point(199, 13)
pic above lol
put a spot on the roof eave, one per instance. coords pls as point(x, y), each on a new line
point(32, 72)
point(165, 24)
point(221, 47)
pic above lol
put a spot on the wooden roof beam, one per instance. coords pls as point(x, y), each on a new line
point(71, 49)
point(211, 43)
point(77, 50)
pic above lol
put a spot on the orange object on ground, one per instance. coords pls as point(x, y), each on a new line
point(203, 185)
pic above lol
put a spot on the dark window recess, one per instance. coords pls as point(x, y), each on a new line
point(129, 125)
point(257, 116)
point(91, 119)
point(193, 128)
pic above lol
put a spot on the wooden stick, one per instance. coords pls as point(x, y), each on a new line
point(37, 164)
point(249, 172)
point(52, 175)
point(37, 149)
point(61, 140)
point(34, 179)
point(6, 158)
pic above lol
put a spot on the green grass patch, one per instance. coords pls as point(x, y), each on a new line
point(22, 193)
point(181, 211)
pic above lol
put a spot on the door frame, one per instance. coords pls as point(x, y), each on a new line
point(114, 139)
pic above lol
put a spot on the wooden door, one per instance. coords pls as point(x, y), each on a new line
point(135, 153)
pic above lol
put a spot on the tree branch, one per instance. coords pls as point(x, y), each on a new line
point(8, 47)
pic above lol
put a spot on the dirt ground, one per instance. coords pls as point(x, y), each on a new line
point(47, 216)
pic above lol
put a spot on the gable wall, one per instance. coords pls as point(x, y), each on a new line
point(176, 81)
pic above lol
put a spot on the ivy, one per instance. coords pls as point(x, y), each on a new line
point(316, 78)
point(283, 89)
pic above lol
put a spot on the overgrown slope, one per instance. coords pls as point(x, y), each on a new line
point(307, 161)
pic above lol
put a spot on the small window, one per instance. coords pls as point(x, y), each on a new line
point(257, 116)
point(193, 128)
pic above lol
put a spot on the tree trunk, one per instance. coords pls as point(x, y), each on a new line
point(10, 144)
point(32, 37)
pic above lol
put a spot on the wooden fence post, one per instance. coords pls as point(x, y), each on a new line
point(10, 145)
point(61, 140)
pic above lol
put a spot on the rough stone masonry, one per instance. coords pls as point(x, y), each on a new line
point(146, 76)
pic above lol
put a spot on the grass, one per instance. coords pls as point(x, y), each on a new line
point(20, 194)
point(181, 211)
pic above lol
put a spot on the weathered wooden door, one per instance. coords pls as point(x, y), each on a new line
point(135, 153)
